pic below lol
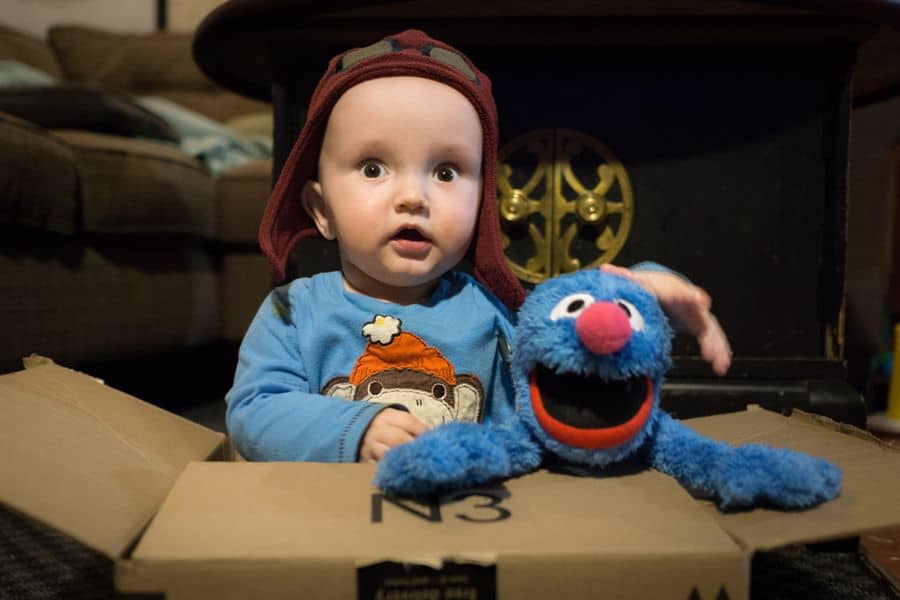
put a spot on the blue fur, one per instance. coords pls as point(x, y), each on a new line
point(458, 455)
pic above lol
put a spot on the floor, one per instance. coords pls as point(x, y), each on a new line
point(881, 547)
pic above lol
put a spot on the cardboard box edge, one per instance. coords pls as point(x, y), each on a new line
point(222, 452)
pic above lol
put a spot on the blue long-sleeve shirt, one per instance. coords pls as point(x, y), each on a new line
point(319, 362)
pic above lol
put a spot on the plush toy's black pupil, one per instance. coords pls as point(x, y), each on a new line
point(625, 308)
point(575, 305)
point(590, 402)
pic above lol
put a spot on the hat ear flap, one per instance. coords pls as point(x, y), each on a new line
point(315, 206)
point(286, 220)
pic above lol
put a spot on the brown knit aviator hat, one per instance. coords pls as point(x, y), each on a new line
point(410, 53)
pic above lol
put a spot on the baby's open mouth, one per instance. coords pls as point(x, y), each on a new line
point(410, 234)
point(411, 243)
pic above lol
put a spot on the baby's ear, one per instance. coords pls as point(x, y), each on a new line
point(314, 205)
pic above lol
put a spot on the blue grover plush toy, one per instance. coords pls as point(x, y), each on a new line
point(588, 360)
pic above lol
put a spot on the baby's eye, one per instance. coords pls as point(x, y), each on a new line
point(446, 173)
point(372, 169)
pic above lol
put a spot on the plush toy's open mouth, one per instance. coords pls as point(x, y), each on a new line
point(590, 412)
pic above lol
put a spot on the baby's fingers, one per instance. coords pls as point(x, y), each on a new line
point(382, 440)
point(376, 452)
point(617, 270)
point(714, 346)
point(393, 436)
point(408, 423)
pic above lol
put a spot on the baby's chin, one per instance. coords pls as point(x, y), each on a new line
point(412, 290)
point(406, 289)
point(415, 273)
point(398, 277)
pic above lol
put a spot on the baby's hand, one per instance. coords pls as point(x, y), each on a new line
point(689, 308)
point(391, 427)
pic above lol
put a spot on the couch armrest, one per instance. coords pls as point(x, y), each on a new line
point(84, 106)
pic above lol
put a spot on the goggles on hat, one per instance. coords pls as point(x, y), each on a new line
point(442, 55)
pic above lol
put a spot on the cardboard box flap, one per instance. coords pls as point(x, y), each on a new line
point(290, 510)
point(311, 526)
point(88, 460)
point(869, 491)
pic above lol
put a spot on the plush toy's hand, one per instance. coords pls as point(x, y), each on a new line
point(689, 308)
point(451, 456)
point(753, 474)
point(741, 476)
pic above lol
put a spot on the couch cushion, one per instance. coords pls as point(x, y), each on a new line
point(258, 124)
point(118, 299)
point(37, 178)
point(157, 64)
point(215, 104)
point(133, 62)
point(246, 279)
point(136, 186)
point(22, 47)
point(242, 193)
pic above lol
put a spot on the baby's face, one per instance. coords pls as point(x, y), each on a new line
point(399, 182)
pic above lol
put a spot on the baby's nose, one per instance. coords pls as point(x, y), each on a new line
point(410, 202)
point(603, 328)
point(412, 194)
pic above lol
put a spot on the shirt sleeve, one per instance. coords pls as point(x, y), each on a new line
point(271, 413)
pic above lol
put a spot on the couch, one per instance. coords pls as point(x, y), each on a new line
point(122, 254)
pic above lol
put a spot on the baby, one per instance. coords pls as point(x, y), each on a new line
point(397, 163)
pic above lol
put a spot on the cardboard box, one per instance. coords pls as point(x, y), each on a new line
point(161, 497)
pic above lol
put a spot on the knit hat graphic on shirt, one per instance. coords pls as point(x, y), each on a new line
point(400, 369)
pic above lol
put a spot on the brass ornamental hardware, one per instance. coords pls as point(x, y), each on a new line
point(565, 203)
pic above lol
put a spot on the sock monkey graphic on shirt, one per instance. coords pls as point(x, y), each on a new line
point(399, 368)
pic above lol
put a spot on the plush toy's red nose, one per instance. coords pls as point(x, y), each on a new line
point(603, 328)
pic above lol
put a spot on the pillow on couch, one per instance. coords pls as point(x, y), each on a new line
point(13, 72)
point(84, 106)
point(219, 147)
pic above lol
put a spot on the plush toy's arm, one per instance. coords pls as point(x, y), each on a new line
point(744, 475)
point(458, 455)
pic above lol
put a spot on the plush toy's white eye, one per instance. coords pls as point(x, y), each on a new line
point(571, 306)
point(634, 316)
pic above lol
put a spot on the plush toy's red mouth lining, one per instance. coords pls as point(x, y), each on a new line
point(590, 413)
